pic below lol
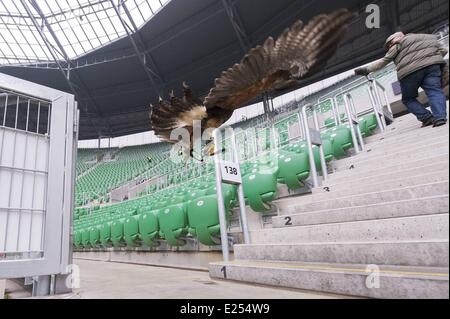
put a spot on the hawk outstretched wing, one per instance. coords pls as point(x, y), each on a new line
point(299, 52)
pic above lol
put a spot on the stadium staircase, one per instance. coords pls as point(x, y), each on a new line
point(379, 227)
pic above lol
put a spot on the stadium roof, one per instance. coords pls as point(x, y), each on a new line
point(130, 51)
point(80, 26)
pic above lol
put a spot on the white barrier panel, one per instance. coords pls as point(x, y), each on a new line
point(38, 141)
point(23, 181)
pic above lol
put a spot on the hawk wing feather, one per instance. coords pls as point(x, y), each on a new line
point(299, 51)
point(175, 113)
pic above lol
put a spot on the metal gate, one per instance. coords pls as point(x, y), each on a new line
point(38, 127)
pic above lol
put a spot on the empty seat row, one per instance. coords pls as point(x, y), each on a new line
point(170, 218)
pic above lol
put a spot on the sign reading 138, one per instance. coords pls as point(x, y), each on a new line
point(231, 173)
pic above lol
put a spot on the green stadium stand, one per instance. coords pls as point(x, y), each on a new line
point(187, 205)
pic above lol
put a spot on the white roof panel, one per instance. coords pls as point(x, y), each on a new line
point(79, 25)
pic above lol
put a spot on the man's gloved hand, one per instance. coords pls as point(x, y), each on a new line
point(362, 71)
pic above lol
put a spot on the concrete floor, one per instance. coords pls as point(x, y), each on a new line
point(102, 280)
point(2, 288)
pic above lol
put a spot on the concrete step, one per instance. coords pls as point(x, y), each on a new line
point(379, 184)
point(406, 133)
point(388, 282)
point(441, 161)
point(2, 288)
point(378, 197)
point(424, 227)
point(364, 186)
point(336, 183)
point(383, 143)
point(381, 154)
point(398, 134)
point(406, 130)
point(405, 208)
point(432, 253)
point(382, 150)
point(402, 157)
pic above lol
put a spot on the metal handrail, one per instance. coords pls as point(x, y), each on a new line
point(309, 144)
point(354, 123)
point(333, 94)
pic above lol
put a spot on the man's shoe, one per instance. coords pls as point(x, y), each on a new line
point(428, 122)
point(439, 123)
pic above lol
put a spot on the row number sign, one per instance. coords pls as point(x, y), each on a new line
point(231, 173)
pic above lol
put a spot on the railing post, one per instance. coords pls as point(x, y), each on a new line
point(336, 105)
point(301, 124)
point(275, 142)
point(375, 107)
point(378, 97)
point(351, 124)
point(321, 150)
point(220, 199)
point(335, 112)
point(387, 101)
point(242, 210)
point(312, 162)
point(355, 120)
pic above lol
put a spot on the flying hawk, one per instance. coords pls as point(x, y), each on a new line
point(299, 52)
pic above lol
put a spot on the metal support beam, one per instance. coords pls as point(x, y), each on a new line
point(185, 26)
point(49, 47)
point(142, 57)
point(52, 50)
point(238, 26)
point(54, 17)
point(142, 43)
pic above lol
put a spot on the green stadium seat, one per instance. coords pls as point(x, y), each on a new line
point(86, 238)
point(330, 122)
point(294, 169)
point(364, 128)
point(78, 239)
point(203, 216)
point(195, 194)
point(260, 188)
point(94, 236)
point(149, 227)
point(173, 223)
point(226, 189)
point(327, 150)
point(131, 231)
point(117, 232)
point(372, 122)
point(176, 199)
point(342, 140)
